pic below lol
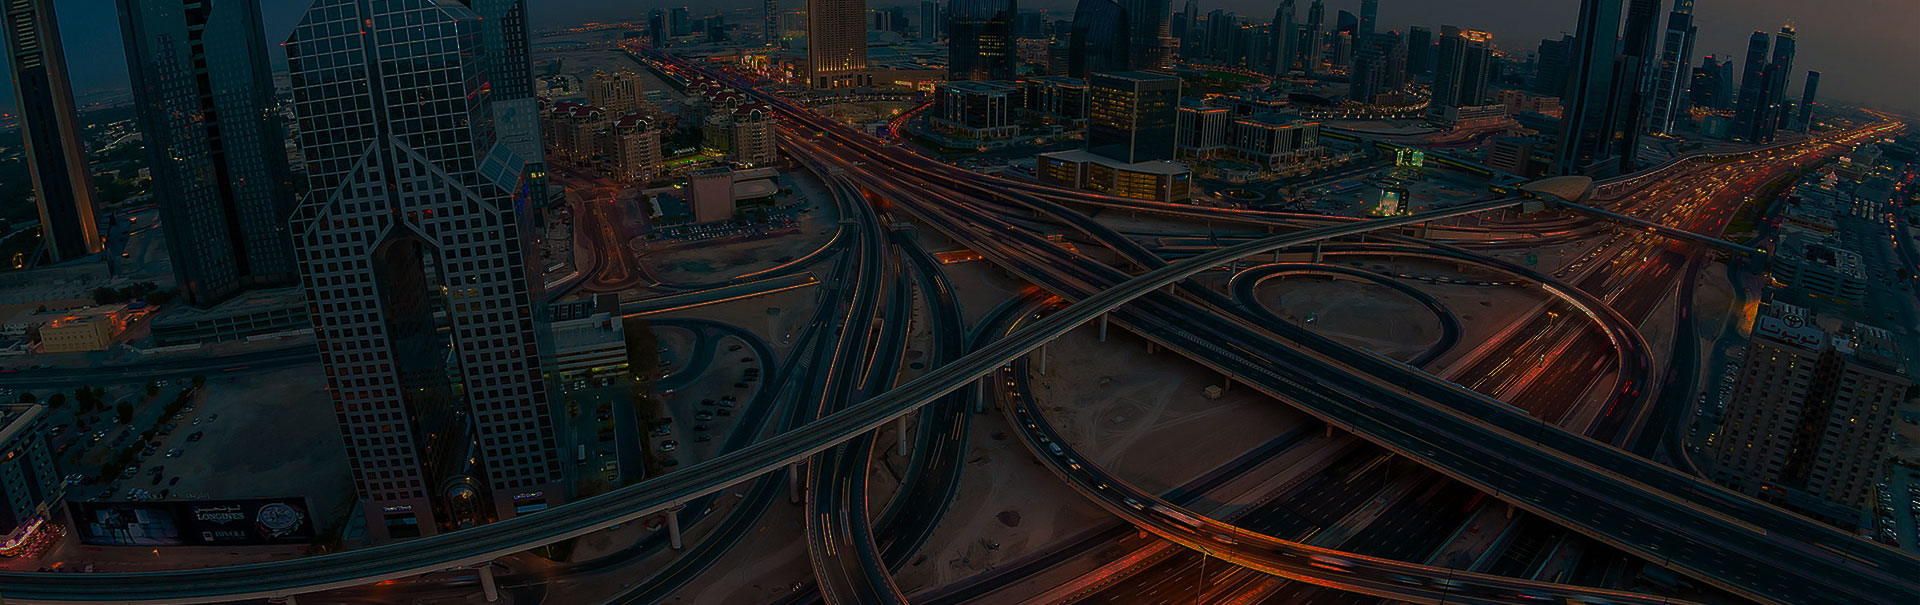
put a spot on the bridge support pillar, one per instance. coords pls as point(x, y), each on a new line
point(900, 428)
point(1511, 509)
point(1329, 431)
point(1043, 358)
point(1103, 327)
point(1152, 348)
point(290, 600)
point(793, 483)
point(1226, 382)
point(1317, 256)
point(488, 588)
point(673, 528)
point(980, 398)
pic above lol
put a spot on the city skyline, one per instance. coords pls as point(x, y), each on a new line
point(1835, 43)
point(690, 309)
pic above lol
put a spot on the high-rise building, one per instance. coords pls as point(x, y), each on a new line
point(755, 139)
point(56, 160)
point(204, 98)
point(1634, 85)
point(1379, 68)
point(1131, 115)
point(1098, 41)
point(1752, 102)
point(1808, 418)
point(1369, 18)
point(1462, 69)
point(680, 21)
point(1313, 52)
point(1778, 73)
point(837, 43)
point(1807, 95)
point(1284, 39)
point(29, 483)
point(1147, 32)
point(930, 22)
point(980, 40)
point(657, 28)
point(1220, 35)
point(1343, 49)
point(1421, 53)
point(618, 93)
point(1705, 86)
point(1671, 75)
point(414, 247)
point(770, 15)
point(1586, 130)
point(516, 112)
point(1550, 73)
point(1189, 32)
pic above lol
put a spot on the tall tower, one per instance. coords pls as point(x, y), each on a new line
point(204, 99)
point(1097, 41)
point(772, 18)
point(1369, 19)
point(414, 247)
point(1671, 75)
point(1284, 38)
point(1316, 44)
point(836, 43)
point(1807, 96)
point(516, 113)
point(1586, 130)
point(1147, 31)
point(1636, 72)
point(980, 45)
point(1778, 73)
point(1751, 103)
point(55, 157)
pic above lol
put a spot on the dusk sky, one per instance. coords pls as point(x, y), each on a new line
point(1867, 49)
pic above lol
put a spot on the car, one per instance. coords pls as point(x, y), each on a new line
point(703, 416)
point(148, 451)
point(196, 436)
point(1134, 504)
point(196, 422)
point(175, 452)
point(179, 416)
point(669, 446)
point(727, 403)
point(129, 472)
point(662, 431)
point(670, 462)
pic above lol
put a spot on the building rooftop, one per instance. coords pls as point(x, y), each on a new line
point(1153, 167)
point(983, 87)
point(1805, 247)
point(248, 303)
point(15, 417)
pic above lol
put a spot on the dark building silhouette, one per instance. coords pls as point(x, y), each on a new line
point(1807, 95)
point(1098, 42)
point(1753, 90)
point(56, 159)
point(980, 39)
point(204, 98)
point(1586, 130)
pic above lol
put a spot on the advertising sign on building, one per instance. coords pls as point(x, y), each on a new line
point(259, 521)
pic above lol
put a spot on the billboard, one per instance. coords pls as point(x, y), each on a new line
point(258, 521)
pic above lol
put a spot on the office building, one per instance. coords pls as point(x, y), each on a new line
point(657, 28)
point(1421, 52)
point(681, 23)
point(1221, 26)
point(631, 146)
point(980, 39)
point(589, 347)
point(932, 24)
point(1188, 31)
point(1778, 73)
point(1202, 131)
point(1586, 132)
point(56, 157)
point(770, 20)
point(1283, 38)
point(1671, 75)
point(1275, 142)
point(414, 250)
point(1369, 18)
point(837, 44)
point(1512, 155)
point(1131, 115)
point(1810, 413)
point(1379, 68)
point(1819, 266)
point(1057, 100)
point(1098, 41)
point(1312, 52)
point(516, 112)
point(1147, 32)
point(1633, 85)
point(29, 483)
point(1752, 103)
point(1157, 180)
point(1462, 69)
point(1809, 92)
point(977, 110)
point(1550, 73)
point(204, 98)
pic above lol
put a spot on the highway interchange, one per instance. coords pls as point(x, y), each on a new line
point(1529, 447)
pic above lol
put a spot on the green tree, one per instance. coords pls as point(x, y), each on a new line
point(28, 397)
point(153, 389)
point(199, 380)
point(124, 412)
point(56, 400)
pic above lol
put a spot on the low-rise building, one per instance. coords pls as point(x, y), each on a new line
point(254, 313)
point(29, 484)
point(1470, 117)
point(1202, 131)
point(1275, 142)
point(596, 344)
point(1158, 180)
point(1057, 100)
point(1819, 266)
point(715, 194)
point(979, 110)
point(631, 149)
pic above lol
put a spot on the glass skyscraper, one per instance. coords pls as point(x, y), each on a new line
point(414, 248)
point(1132, 115)
point(980, 40)
point(55, 157)
point(1586, 130)
point(204, 99)
point(1097, 42)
